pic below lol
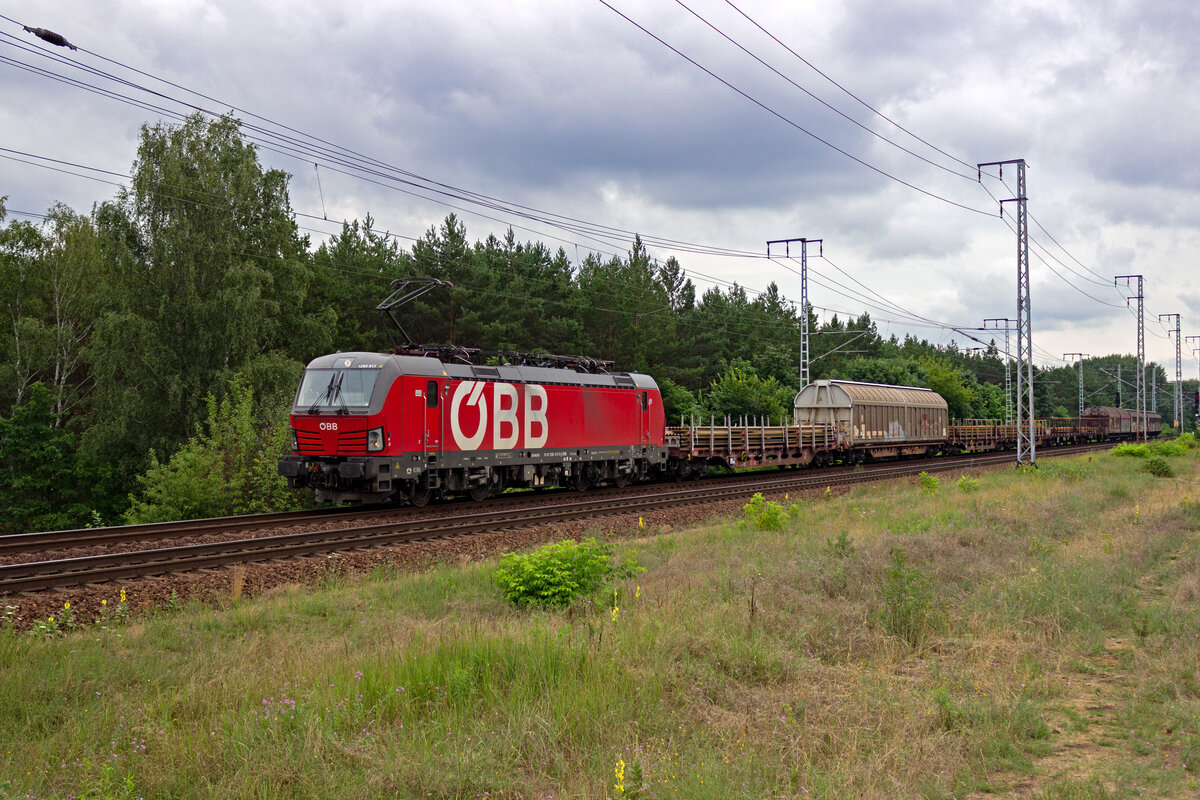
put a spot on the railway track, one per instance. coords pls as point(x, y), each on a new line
point(405, 527)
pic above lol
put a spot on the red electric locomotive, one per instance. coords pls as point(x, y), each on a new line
point(372, 427)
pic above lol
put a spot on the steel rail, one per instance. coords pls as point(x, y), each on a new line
point(41, 575)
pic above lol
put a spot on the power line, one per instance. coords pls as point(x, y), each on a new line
point(353, 160)
point(787, 120)
point(834, 109)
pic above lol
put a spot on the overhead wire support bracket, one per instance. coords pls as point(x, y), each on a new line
point(1196, 353)
point(1008, 327)
point(1178, 371)
point(1141, 349)
point(804, 332)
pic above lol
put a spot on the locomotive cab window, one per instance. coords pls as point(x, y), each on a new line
point(431, 394)
point(336, 388)
point(645, 402)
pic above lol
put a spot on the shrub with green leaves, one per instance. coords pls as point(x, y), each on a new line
point(929, 483)
point(228, 467)
point(556, 575)
point(967, 485)
point(1129, 449)
point(1169, 449)
point(766, 514)
point(1158, 466)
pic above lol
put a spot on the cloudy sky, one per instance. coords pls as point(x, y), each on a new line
point(859, 123)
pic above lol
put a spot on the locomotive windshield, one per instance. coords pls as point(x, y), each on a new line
point(342, 389)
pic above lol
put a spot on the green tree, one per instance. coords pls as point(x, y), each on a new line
point(740, 392)
point(678, 402)
point(951, 384)
point(530, 301)
point(39, 473)
point(351, 275)
point(207, 279)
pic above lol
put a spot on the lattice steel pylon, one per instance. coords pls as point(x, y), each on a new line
point(1026, 442)
point(804, 332)
point(1178, 372)
point(1140, 400)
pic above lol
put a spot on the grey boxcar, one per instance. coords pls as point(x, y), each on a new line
point(885, 420)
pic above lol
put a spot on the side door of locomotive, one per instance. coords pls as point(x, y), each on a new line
point(434, 414)
point(644, 414)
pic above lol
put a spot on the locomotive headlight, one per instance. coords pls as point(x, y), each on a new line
point(375, 440)
point(295, 442)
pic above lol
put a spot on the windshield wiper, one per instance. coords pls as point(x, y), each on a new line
point(335, 385)
point(338, 394)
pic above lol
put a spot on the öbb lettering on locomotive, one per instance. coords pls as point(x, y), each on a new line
point(518, 415)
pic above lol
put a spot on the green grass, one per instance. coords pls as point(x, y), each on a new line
point(809, 661)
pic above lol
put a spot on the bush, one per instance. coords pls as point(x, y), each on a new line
point(929, 483)
point(967, 485)
point(555, 575)
point(228, 467)
point(766, 514)
point(1158, 466)
point(1131, 450)
point(1171, 449)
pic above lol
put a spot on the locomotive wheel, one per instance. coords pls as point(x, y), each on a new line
point(478, 491)
point(580, 482)
point(622, 480)
point(420, 493)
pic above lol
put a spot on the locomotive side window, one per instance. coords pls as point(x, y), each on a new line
point(645, 402)
point(431, 394)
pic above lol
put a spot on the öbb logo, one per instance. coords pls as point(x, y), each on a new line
point(506, 425)
point(329, 426)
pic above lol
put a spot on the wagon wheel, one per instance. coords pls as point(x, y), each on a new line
point(419, 493)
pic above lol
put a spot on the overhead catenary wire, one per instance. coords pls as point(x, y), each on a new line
point(295, 147)
point(968, 176)
point(195, 201)
point(859, 100)
point(788, 121)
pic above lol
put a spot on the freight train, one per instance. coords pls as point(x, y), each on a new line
point(421, 423)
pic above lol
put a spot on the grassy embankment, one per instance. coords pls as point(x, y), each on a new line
point(1034, 634)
